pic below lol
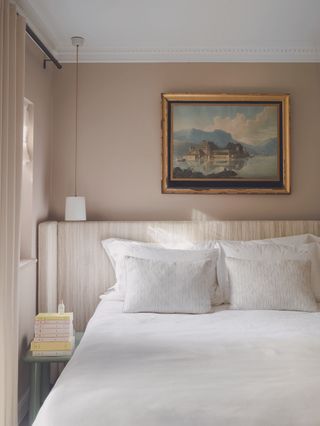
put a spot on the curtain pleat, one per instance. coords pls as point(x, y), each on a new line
point(12, 51)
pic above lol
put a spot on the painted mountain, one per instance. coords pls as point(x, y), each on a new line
point(183, 139)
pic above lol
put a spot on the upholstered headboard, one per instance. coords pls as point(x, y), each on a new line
point(74, 267)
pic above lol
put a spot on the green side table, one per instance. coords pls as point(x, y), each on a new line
point(40, 377)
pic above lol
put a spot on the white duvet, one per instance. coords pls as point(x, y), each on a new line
point(259, 368)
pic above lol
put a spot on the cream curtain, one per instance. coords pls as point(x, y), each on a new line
point(12, 50)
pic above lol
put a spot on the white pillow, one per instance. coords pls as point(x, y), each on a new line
point(284, 284)
point(291, 240)
point(268, 252)
point(168, 287)
point(288, 240)
point(117, 249)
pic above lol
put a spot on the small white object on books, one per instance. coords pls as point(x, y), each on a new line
point(61, 308)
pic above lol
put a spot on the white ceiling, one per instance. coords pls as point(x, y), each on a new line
point(179, 30)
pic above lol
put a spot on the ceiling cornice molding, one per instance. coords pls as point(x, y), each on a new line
point(241, 53)
point(227, 54)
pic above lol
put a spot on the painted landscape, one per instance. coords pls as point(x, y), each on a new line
point(225, 142)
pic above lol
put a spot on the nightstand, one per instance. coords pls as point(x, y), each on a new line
point(40, 377)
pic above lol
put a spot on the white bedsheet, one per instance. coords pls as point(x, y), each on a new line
point(244, 368)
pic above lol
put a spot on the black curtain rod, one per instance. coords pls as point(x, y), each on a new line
point(44, 49)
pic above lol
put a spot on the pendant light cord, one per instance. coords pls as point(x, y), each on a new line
point(76, 133)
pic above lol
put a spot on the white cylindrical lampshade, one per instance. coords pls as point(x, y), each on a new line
point(75, 208)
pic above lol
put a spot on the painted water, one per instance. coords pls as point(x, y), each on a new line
point(256, 167)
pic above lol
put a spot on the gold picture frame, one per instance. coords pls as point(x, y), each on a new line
point(225, 143)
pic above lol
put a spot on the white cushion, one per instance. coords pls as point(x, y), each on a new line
point(117, 249)
point(268, 252)
point(284, 284)
point(293, 240)
point(168, 287)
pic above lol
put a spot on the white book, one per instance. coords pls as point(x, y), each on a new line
point(42, 334)
point(52, 353)
point(57, 333)
point(45, 321)
point(53, 325)
point(54, 338)
point(68, 333)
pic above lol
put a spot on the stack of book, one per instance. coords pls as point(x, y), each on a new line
point(53, 335)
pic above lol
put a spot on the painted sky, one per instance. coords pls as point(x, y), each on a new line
point(250, 124)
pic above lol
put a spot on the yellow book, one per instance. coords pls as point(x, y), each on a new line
point(53, 316)
point(52, 346)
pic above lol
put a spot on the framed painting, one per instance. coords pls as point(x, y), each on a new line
point(225, 143)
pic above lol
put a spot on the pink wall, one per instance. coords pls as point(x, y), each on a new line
point(120, 139)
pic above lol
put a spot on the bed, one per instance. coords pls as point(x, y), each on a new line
point(226, 367)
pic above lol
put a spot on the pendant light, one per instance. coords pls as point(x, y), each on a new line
point(75, 208)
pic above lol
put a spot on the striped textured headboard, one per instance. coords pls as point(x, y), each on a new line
point(74, 267)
